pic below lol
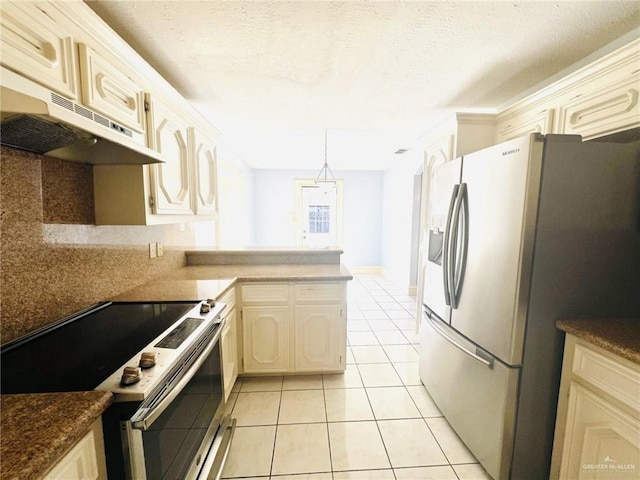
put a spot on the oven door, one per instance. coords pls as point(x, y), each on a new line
point(180, 432)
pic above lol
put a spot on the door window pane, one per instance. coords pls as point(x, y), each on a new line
point(319, 218)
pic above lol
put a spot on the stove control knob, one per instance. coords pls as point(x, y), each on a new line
point(147, 360)
point(205, 308)
point(211, 302)
point(131, 375)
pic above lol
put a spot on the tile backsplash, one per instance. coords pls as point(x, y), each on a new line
point(53, 260)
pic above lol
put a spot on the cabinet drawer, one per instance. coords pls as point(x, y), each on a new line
point(265, 293)
point(319, 292)
point(611, 376)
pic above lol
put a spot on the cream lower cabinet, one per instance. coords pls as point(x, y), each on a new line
point(317, 338)
point(85, 460)
point(293, 327)
point(266, 338)
point(229, 344)
point(598, 424)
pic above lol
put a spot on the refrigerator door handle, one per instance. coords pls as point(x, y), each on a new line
point(445, 252)
point(486, 362)
point(459, 264)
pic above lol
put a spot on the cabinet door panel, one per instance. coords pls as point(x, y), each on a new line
point(608, 110)
point(601, 441)
point(524, 124)
point(206, 175)
point(228, 343)
point(110, 92)
point(265, 333)
point(317, 338)
point(170, 181)
point(36, 46)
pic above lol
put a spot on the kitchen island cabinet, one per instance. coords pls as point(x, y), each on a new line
point(295, 327)
point(598, 423)
point(293, 313)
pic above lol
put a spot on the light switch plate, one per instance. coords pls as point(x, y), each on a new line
point(159, 249)
point(152, 250)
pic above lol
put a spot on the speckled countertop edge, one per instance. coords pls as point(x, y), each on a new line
point(618, 336)
point(266, 250)
point(257, 273)
point(37, 429)
point(197, 282)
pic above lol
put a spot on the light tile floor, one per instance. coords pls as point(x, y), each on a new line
point(376, 421)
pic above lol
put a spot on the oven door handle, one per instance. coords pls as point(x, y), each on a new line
point(144, 417)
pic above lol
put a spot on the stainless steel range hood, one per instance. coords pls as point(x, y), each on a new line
point(35, 119)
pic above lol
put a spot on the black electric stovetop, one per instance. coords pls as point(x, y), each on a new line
point(81, 351)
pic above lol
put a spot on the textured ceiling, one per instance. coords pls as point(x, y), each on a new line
point(272, 75)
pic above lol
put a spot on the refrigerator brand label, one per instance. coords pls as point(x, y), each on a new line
point(509, 152)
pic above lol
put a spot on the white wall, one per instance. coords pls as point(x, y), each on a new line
point(236, 216)
point(397, 214)
point(274, 208)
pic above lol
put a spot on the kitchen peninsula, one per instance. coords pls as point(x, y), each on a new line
point(293, 299)
point(291, 305)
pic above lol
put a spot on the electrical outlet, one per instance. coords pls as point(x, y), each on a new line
point(152, 250)
point(159, 249)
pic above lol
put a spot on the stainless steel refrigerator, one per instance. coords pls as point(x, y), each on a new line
point(522, 234)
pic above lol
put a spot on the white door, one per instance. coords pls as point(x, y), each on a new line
point(319, 216)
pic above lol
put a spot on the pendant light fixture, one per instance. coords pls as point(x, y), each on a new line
point(325, 179)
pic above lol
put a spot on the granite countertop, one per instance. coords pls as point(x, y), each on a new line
point(38, 428)
point(264, 273)
point(198, 282)
point(619, 336)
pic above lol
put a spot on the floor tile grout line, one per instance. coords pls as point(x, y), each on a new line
point(275, 437)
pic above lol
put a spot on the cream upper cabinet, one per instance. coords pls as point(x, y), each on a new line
point(598, 424)
point(524, 123)
point(608, 109)
point(37, 46)
point(205, 165)
point(598, 99)
point(171, 189)
point(108, 91)
point(184, 188)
